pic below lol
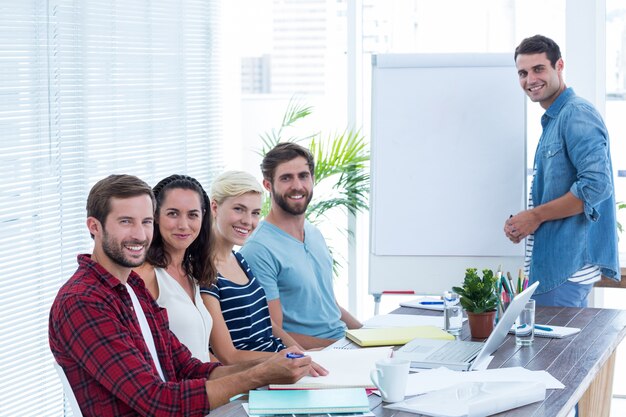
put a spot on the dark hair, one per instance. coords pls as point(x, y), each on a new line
point(538, 44)
point(198, 259)
point(284, 152)
point(114, 186)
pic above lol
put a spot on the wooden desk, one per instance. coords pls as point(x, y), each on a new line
point(584, 363)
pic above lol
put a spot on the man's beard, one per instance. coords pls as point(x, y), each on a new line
point(286, 206)
point(115, 251)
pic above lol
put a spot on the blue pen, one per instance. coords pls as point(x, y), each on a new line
point(291, 355)
point(429, 303)
point(544, 328)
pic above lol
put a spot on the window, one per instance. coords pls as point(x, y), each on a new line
point(616, 102)
point(88, 89)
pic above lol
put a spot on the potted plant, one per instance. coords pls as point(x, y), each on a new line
point(479, 299)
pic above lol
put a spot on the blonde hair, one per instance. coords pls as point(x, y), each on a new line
point(234, 184)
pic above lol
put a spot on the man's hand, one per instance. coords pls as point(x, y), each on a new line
point(521, 225)
point(317, 370)
point(279, 369)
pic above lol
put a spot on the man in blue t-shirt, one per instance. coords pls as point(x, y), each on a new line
point(289, 255)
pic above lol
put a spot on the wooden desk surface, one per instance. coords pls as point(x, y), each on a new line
point(575, 361)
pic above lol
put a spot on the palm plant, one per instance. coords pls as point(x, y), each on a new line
point(341, 176)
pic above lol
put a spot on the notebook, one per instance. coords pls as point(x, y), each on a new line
point(428, 353)
point(338, 400)
point(427, 303)
point(554, 332)
point(347, 369)
point(394, 336)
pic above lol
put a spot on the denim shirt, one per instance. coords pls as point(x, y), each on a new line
point(573, 155)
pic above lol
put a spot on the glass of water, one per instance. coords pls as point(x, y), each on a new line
point(525, 325)
point(452, 313)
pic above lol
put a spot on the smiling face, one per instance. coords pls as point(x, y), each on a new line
point(237, 217)
point(539, 80)
point(292, 186)
point(122, 241)
point(179, 219)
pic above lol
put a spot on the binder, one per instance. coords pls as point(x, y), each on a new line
point(396, 335)
point(338, 400)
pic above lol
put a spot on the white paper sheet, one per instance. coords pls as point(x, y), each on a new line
point(440, 378)
point(474, 399)
point(347, 368)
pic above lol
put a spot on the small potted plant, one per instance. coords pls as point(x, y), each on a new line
point(479, 299)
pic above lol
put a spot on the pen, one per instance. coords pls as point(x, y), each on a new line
point(544, 328)
point(291, 355)
point(430, 303)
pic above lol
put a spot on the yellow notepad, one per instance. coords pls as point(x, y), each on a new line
point(396, 335)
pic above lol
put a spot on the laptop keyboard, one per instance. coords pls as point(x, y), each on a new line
point(449, 352)
point(456, 352)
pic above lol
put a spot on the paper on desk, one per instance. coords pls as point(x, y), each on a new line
point(440, 378)
point(474, 399)
point(404, 320)
point(419, 303)
point(347, 368)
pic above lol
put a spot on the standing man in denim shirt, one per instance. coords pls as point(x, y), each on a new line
point(570, 224)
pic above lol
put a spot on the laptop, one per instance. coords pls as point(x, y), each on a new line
point(463, 355)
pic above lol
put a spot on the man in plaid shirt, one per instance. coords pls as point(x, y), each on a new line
point(112, 339)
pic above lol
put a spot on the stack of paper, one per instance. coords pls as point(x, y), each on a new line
point(474, 399)
point(395, 336)
point(443, 378)
point(344, 400)
point(347, 368)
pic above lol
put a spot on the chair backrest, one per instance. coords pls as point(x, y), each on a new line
point(67, 389)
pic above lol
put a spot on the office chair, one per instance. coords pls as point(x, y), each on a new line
point(67, 389)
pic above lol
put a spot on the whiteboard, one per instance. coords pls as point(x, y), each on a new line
point(448, 167)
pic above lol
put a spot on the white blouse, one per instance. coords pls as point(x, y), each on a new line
point(189, 321)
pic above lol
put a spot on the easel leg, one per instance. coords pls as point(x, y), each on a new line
point(376, 303)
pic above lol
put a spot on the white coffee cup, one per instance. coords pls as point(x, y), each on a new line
point(390, 378)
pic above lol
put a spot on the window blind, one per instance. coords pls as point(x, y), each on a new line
point(88, 89)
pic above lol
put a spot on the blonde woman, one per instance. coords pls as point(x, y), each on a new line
point(242, 329)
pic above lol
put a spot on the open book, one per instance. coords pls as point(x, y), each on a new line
point(347, 368)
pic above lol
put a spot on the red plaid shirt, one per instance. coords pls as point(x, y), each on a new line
point(95, 337)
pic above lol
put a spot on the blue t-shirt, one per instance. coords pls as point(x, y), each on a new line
point(245, 312)
point(300, 274)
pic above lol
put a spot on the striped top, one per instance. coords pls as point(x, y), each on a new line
point(245, 311)
point(588, 274)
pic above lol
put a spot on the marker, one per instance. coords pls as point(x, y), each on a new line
point(544, 328)
point(291, 355)
point(431, 303)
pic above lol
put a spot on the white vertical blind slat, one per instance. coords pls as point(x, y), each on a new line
point(88, 89)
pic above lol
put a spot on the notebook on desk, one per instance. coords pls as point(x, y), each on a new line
point(463, 355)
point(395, 336)
point(342, 400)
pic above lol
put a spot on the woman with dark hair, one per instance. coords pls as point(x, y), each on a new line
point(180, 260)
